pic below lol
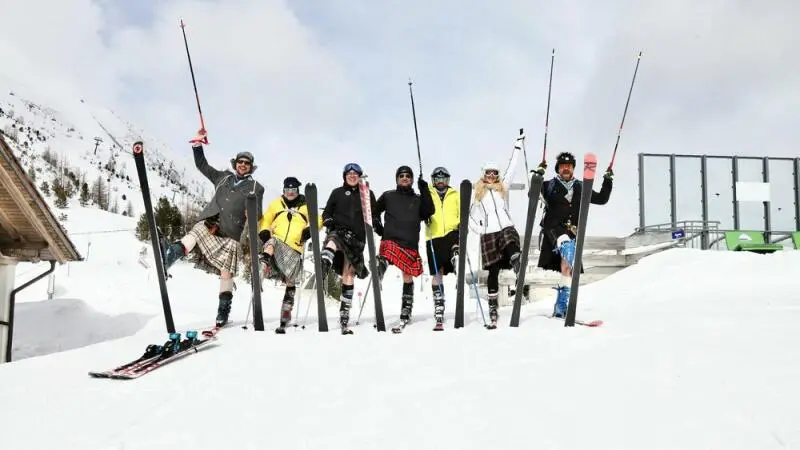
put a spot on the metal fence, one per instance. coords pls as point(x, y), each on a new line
point(709, 230)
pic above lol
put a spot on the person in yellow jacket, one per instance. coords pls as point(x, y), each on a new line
point(283, 230)
point(442, 236)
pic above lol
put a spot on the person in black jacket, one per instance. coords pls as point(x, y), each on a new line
point(561, 196)
point(404, 210)
point(215, 237)
point(343, 247)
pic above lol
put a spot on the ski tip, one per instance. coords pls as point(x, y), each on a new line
point(589, 166)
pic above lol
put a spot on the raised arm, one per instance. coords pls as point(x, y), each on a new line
point(202, 165)
point(508, 175)
point(426, 206)
point(601, 198)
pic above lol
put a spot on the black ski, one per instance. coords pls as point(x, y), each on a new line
point(589, 168)
point(533, 201)
point(255, 273)
point(313, 219)
point(366, 207)
point(141, 170)
point(465, 191)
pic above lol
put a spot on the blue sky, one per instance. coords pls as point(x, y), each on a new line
point(308, 86)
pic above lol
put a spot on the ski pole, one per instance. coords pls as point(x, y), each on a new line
point(625, 112)
point(364, 298)
point(547, 113)
point(194, 83)
point(475, 287)
point(416, 132)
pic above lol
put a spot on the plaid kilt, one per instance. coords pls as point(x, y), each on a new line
point(493, 246)
point(286, 264)
point(348, 248)
point(214, 254)
point(405, 259)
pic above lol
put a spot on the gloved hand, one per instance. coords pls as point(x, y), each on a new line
point(200, 138)
point(306, 235)
point(378, 228)
point(422, 185)
point(264, 235)
point(329, 224)
point(609, 175)
point(541, 169)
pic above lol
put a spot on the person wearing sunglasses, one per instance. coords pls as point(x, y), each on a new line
point(404, 210)
point(441, 232)
point(343, 246)
point(561, 196)
point(283, 231)
point(215, 238)
point(490, 218)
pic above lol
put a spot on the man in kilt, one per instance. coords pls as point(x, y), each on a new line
point(283, 231)
point(441, 232)
point(343, 246)
point(561, 196)
point(490, 218)
point(403, 210)
point(215, 238)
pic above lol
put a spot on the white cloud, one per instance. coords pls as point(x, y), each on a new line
point(309, 87)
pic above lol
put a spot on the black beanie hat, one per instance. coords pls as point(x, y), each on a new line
point(291, 182)
point(404, 169)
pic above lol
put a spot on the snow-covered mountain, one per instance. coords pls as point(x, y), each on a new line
point(93, 146)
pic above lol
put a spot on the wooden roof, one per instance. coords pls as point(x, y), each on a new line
point(29, 232)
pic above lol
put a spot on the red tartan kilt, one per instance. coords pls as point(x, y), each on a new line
point(407, 260)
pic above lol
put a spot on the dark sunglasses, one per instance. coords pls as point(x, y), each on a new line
point(491, 172)
point(404, 175)
point(243, 161)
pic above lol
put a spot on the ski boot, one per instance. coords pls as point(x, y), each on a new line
point(344, 315)
point(438, 310)
point(173, 253)
point(224, 308)
point(493, 315)
point(562, 300)
point(286, 311)
point(326, 257)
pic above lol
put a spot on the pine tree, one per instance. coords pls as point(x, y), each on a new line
point(128, 210)
point(61, 193)
point(45, 188)
point(100, 193)
point(84, 198)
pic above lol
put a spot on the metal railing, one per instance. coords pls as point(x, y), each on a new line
point(707, 235)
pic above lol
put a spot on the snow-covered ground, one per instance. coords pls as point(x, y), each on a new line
point(698, 351)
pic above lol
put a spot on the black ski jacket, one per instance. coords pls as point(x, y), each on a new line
point(558, 210)
point(343, 212)
point(404, 210)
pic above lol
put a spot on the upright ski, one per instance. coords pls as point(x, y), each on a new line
point(366, 208)
point(313, 219)
point(255, 273)
point(589, 168)
point(533, 201)
point(141, 170)
point(465, 191)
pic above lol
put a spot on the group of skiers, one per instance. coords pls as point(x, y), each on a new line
point(284, 229)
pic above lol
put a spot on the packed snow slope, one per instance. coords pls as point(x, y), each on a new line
point(698, 351)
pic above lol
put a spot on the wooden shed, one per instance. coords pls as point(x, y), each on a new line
point(29, 232)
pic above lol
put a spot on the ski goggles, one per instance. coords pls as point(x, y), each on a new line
point(441, 179)
point(353, 167)
point(291, 190)
point(491, 172)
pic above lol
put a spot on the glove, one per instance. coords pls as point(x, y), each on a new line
point(264, 235)
point(609, 175)
point(306, 235)
point(377, 228)
point(200, 138)
point(422, 185)
point(540, 170)
point(329, 224)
